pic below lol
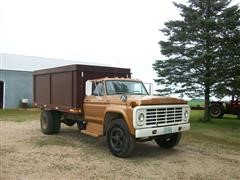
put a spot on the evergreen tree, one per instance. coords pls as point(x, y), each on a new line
point(201, 50)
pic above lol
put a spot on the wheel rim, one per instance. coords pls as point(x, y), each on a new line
point(168, 139)
point(117, 139)
point(215, 111)
point(44, 123)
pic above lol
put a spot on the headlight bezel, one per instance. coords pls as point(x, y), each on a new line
point(141, 117)
point(186, 113)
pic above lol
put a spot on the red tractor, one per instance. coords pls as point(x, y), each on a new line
point(218, 108)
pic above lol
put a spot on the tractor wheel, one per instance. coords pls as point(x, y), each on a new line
point(216, 110)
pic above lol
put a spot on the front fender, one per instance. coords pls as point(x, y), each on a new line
point(126, 113)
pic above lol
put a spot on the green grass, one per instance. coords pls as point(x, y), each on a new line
point(225, 131)
point(19, 115)
point(195, 103)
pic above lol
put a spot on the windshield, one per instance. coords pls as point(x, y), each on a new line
point(125, 87)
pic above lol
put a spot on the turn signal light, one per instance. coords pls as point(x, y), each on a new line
point(75, 110)
point(133, 104)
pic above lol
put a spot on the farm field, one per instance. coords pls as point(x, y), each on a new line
point(207, 151)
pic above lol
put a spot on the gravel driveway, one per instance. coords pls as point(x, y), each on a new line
point(28, 154)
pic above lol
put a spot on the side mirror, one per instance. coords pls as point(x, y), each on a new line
point(88, 88)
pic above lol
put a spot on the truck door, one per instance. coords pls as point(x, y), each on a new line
point(95, 105)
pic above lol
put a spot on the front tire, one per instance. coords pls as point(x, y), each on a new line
point(169, 140)
point(120, 142)
point(50, 122)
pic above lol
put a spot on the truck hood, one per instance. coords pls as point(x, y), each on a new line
point(137, 100)
point(153, 100)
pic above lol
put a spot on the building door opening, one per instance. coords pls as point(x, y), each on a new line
point(1, 94)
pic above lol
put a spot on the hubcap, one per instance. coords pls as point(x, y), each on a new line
point(215, 111)
point(168, 139)
point(117, 139)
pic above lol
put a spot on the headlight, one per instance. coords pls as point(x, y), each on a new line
point(186, 115)
point(140, 119)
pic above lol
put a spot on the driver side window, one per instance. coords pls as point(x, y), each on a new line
point(98, 89)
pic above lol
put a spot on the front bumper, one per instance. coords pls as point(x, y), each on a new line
point(156, 131)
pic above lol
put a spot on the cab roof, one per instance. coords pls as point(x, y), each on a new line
point(116, 79)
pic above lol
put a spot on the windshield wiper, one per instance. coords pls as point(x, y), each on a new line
point(119, 92)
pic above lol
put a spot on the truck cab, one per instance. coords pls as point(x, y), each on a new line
point(124, 111)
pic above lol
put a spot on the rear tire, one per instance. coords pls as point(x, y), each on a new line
point(216, 110)
point(120, 142)
point(50, 122)
point(169, 140)
point(57, 121)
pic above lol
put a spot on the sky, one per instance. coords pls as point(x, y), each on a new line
point(119, 33)
point(122, 33)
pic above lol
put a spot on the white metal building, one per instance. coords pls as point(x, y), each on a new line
point(16, 77)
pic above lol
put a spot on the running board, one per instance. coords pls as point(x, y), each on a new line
point(93, 129)
point(90, 133)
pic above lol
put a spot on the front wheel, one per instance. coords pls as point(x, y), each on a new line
point(169, 140)
point(120, 142)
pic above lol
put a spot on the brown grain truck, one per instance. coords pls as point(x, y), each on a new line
point(104, 101)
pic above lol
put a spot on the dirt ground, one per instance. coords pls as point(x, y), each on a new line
point(28, 154)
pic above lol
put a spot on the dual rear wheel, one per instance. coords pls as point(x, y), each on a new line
point(50, 122)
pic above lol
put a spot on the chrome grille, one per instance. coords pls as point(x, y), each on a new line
point(167, 115)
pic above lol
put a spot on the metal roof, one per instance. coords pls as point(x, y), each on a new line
point(32, 63)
